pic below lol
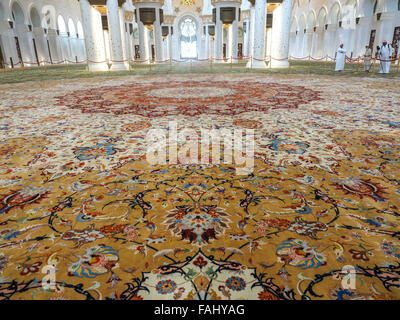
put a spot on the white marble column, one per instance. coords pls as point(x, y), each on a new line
point(235, 26)
point(114, 26)
point(211, 47)
point(259, 34)
point(318, 48)
point(218, 37)
point(268, 43)
point(246, 38)
point(281, 35)
point(170, 42)
point(362, 36)
point(124, 36)
point(94, 40)
point(143, 40)
point(206, 43)
point(251, 37)
point(158, 37)
point(385, 28)
point(330, 41)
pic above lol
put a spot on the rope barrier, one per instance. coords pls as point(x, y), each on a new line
point(349, 60)
point(283, 59)
point(161, 61)
point(294, 58)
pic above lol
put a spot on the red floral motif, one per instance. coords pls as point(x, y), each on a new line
point(265, 295)
point(30, 268)
point(200, 262)
point(359, 255)
point(140, 98)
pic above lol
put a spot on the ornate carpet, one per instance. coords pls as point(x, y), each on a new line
point(79, 203)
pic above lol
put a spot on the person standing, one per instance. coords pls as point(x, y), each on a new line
point(367, 58)
point(385, 55)
point(378, 49)
point(340, 58)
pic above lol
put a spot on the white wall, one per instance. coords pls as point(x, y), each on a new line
point(354, 36)
point(46, 12)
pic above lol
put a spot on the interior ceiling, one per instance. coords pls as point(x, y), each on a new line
point(179, 7)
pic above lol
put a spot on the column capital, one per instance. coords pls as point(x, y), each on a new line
point(207, 18)
point(363, 20)
point(129, 15)
point(246, 14)
point(253, 2)
point(385, 16)
point(169, 19)
point(104, 2)
point(144, 2)
point(223, 2)
point(331, 27)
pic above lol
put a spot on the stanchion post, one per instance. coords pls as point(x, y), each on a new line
point(87, 64)
point(358, 65)
point(22, 66)
point(373, 68)
point(44, 67)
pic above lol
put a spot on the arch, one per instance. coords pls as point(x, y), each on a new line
point(375, 9)
point(17, 13)
point(391, 5)
point(35, 17)
point(302, 22)
point(62, 27)
point(293, 25)
point(71, 28)
point(365, 8)
point(349, 12)
point(2, 13)
point(322, 14)
point(311, 20)
point(49, 16)
point(188, 37)
point(79, 30)
point(335, 13)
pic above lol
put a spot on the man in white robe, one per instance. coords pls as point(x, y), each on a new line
point(340, 58)
point(367, 58)
point(385, 55)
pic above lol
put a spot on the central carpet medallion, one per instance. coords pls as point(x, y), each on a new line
point(78, 197)
point(189, 98)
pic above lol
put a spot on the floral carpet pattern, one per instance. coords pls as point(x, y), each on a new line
point(80, 204)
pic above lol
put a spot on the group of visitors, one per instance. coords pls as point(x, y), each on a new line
point(383, 53)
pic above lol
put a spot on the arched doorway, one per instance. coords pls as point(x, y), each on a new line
point(188, 39)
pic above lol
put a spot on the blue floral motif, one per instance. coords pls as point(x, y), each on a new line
point(236, 283)
point(166, 286)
